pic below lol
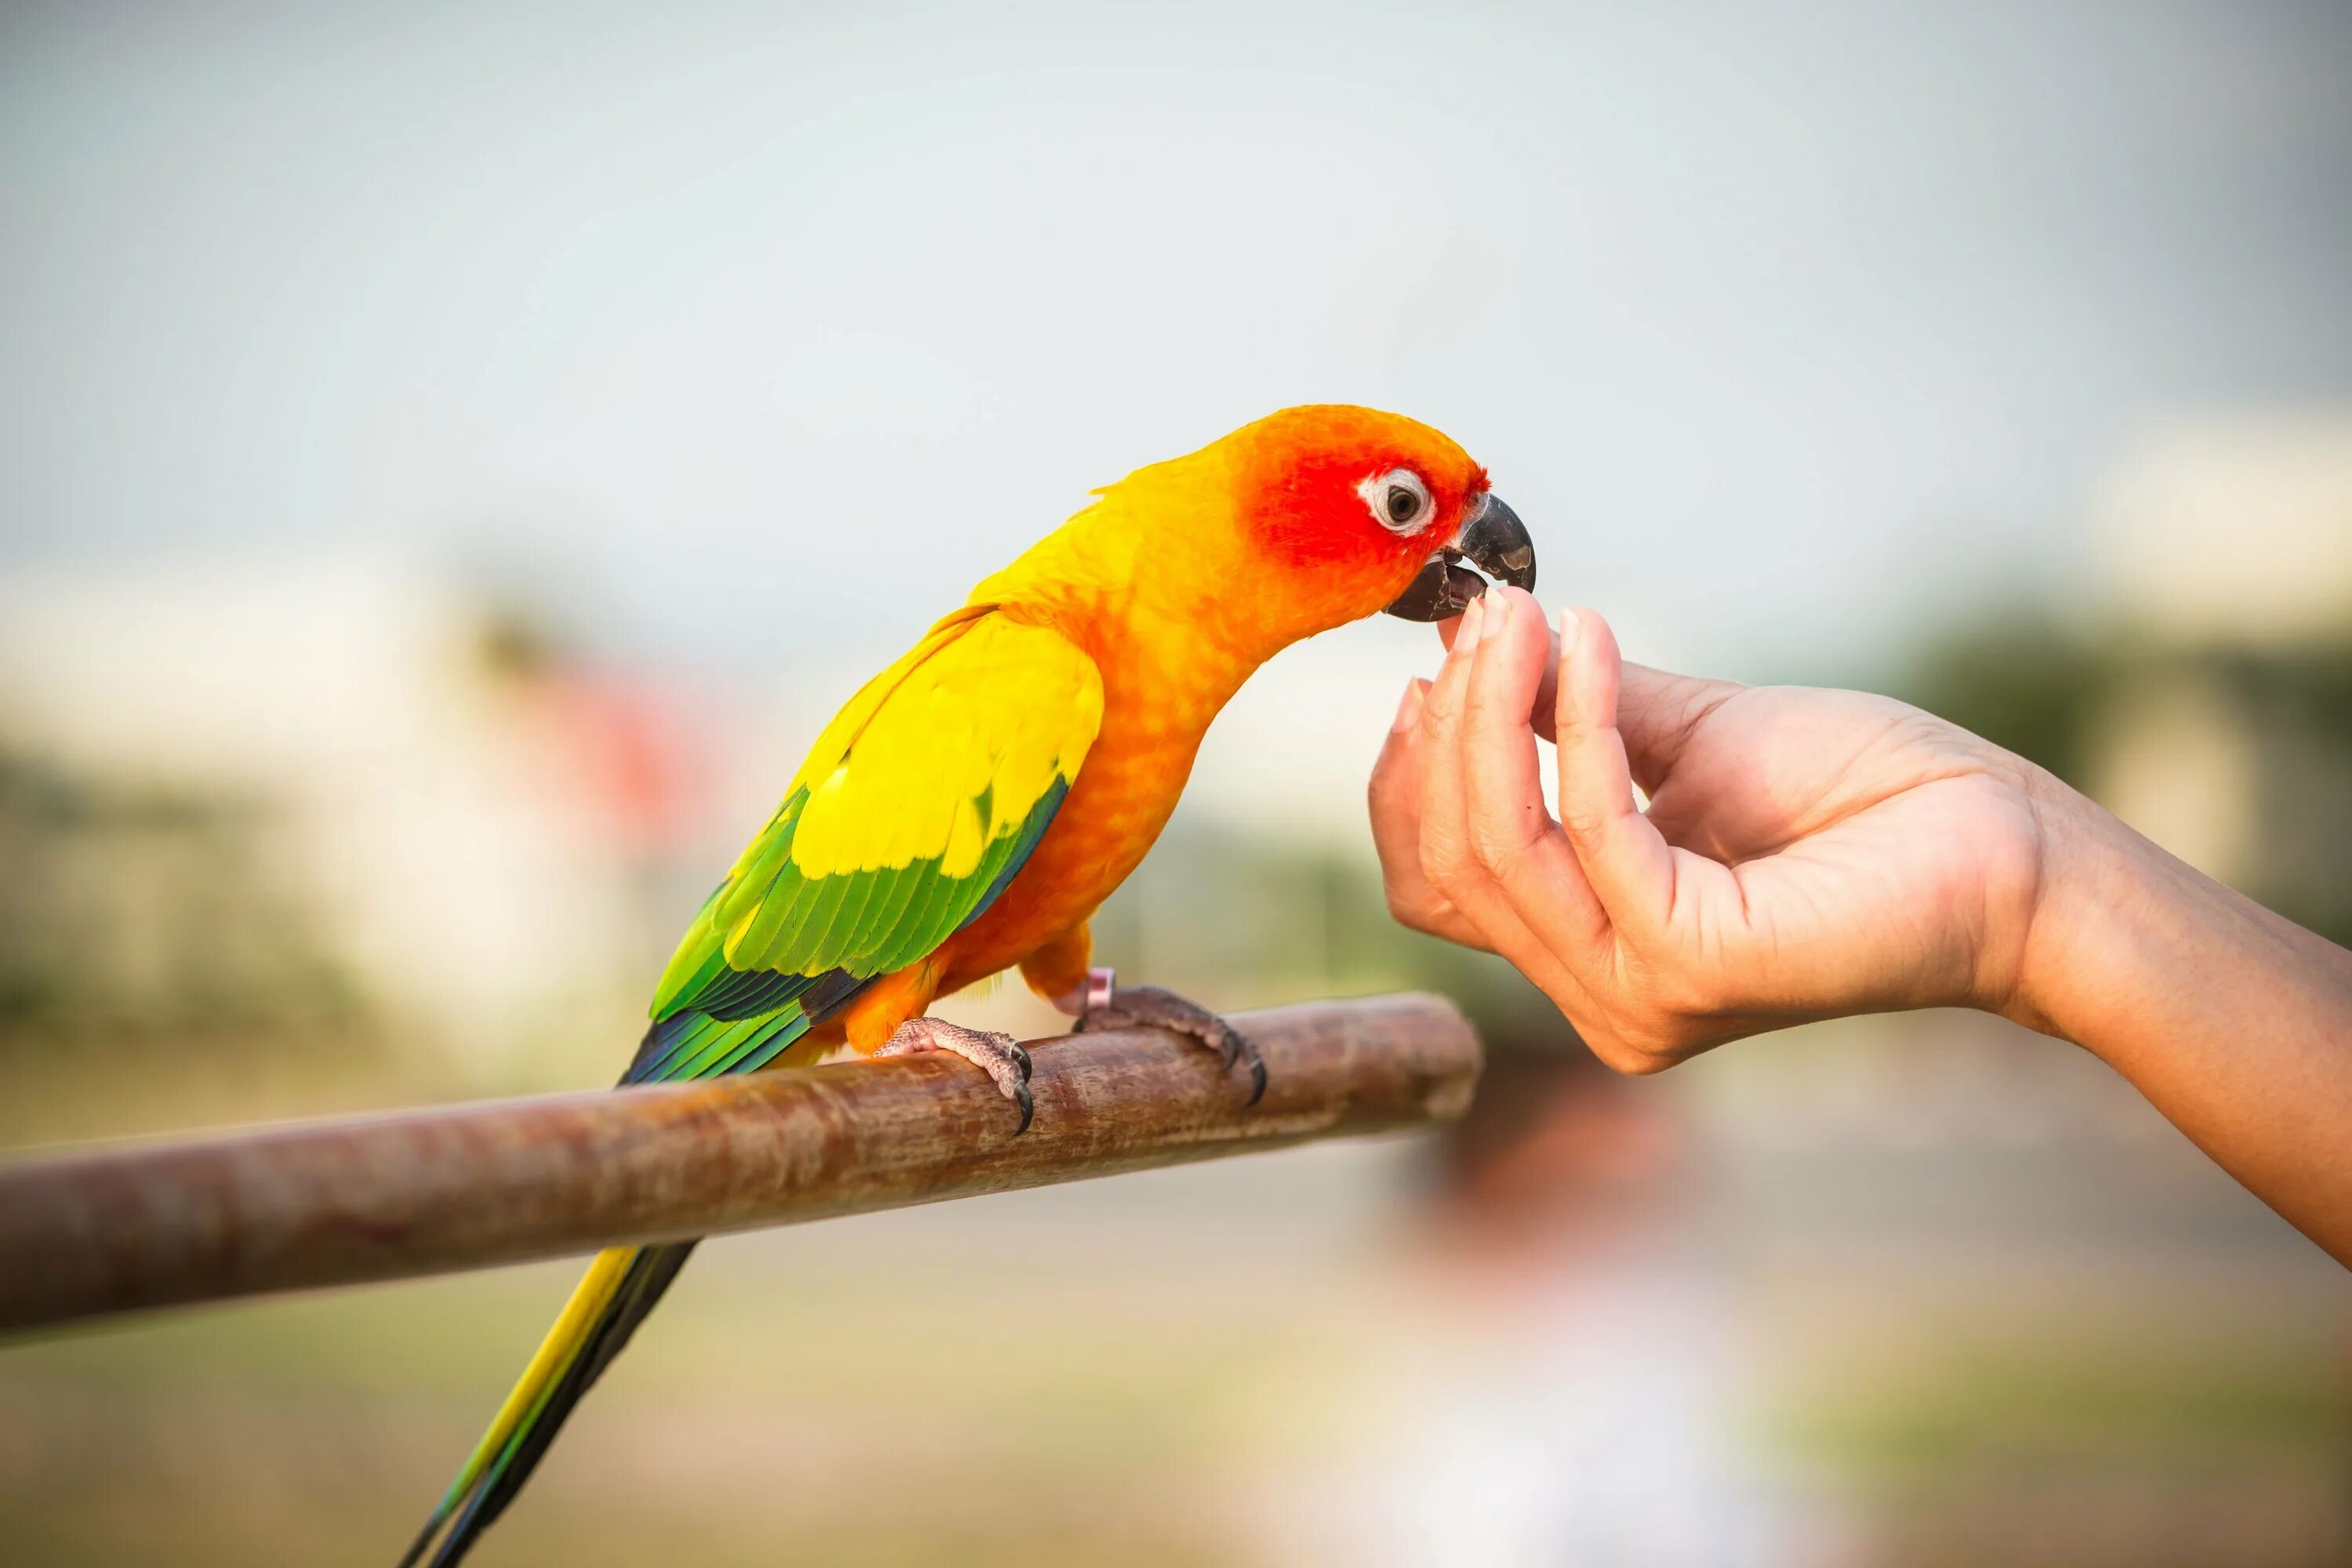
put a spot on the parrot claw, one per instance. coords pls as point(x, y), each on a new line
point(1001, 1057)
point(1151, 1007)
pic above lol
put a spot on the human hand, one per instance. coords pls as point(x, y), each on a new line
point(1806, 853)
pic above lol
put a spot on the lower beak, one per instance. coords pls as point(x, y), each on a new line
point(1495, 540)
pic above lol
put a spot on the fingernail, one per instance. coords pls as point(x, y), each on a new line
point(1473, 626)
point(1567, 628)
point(1408, 711)
point(1499, 614)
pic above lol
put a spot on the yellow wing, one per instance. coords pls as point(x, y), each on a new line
point(916, 807)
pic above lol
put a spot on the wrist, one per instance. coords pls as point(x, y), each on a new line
point(2119, 929)
point(2088, 933)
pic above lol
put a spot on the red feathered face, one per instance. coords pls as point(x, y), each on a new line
point(1363, 511)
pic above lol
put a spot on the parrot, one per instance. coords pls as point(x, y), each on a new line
point(969, 808)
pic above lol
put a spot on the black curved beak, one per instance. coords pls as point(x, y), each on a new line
point(1495, 540)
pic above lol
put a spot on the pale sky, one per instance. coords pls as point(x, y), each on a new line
point(756, 333)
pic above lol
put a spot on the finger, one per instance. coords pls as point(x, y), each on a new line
point(1546, 694)
point(1546, 699)
point(1446, 856)
point(1627, 863)
point(1510, 829)
point(1394, 798)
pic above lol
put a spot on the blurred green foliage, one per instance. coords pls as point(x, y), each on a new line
point(2053, 688)
point(2023, 678)
point(147, 906)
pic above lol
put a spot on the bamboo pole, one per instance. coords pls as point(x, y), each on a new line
point(467, 1187)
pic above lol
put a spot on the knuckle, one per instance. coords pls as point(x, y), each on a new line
point(1409, 909)
point(1679, 991)
point(1652, 1014)
point(1633, 1050)
point(1582, 822)
point(1499, 844)
point(1647, 1061)
point(1443, 869)
point(1611, 1049)
point(1403, 888)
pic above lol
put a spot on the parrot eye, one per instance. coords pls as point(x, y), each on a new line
point(1397, 498)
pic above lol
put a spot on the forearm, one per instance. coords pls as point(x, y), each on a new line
point(2235, 1023)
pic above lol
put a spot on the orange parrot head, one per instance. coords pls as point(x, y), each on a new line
point(1304, 520)
point(1342, 512)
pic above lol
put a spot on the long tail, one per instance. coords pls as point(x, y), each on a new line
point(621, 1288)
point(749, 1022)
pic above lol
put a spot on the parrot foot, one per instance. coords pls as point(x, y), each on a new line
point(1112, 1006)
point(998, 1056)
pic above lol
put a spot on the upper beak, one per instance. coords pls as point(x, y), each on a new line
point(1495, 540)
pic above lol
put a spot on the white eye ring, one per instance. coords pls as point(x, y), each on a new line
point(1398, 500)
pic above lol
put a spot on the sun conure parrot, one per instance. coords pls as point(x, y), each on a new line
point(970, 809)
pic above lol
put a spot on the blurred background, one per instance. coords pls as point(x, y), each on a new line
point(452, 459)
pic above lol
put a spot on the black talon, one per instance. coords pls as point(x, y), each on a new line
point(1150, 1007)
point(990, 1052)
point(1233, 1046)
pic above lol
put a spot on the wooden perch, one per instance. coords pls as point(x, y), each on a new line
point(465, 1186)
